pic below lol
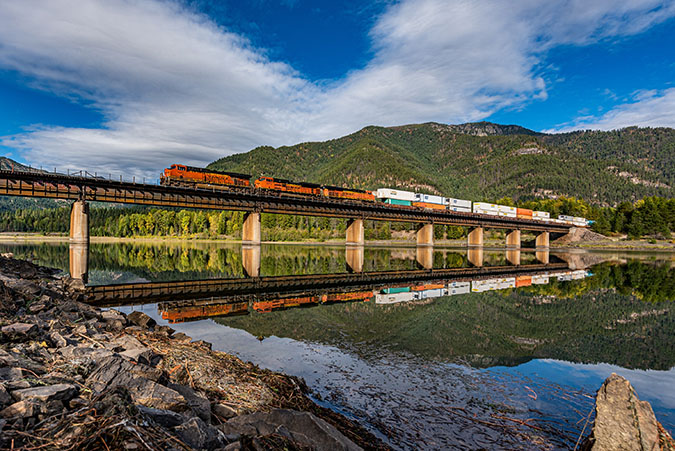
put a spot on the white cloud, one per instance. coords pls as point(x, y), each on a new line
point(173, 86)
point(648, 109)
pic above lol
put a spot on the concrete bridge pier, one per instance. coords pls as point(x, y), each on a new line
point(425, 235)
point(513, 239)
point(542, 240)
point(250, 258)
point(475, 256)
point(475, 237)
point(542, 256)
point(354, 258)
point(355, 232)
point(425, 256)
point(250, 232)
point(513, 256)
point(79, 222)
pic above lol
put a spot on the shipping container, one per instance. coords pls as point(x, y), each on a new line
point(508, 214)
point(388, 193)
point(460, 209)
point(396, 290)
point(427, 294)
point(429, 198)
point(541, 214)
point(566, 218)
point(458, 202)
point(523, 281)
point(485, 206)
point(460, 289)
point(539, 280)
point(394, 298)
point(428, 205)
point(524, 212)
point(397, 202)
point(505, 208)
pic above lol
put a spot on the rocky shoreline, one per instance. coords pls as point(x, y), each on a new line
point(75, 377)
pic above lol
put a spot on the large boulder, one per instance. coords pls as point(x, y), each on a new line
point(623, 422)
point(303, 428)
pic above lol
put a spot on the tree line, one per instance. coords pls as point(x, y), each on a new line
point(651, 217)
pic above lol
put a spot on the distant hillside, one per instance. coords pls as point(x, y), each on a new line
point(480, 161)
point(7, 164)
point(8, 203)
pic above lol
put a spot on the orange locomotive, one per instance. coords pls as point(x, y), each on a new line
point(348, 193)
point(179, 314)
point(181, 175)
point(287, 186)
point(274, 304)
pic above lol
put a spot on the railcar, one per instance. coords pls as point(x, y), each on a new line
point(364, 296)
point(286, 186)
point(182, 175)
point(281, 303)
point(348, 193)
point(182, 314)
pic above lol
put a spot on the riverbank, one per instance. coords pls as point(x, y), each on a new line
point(74, 376)
point(608, 244)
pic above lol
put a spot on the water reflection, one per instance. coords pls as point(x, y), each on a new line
point(427, 358)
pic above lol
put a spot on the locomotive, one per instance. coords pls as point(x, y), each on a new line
point(193, 177)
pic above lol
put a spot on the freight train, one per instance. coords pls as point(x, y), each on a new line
point(190, 176)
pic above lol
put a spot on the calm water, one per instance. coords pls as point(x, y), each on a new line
point(490, 365)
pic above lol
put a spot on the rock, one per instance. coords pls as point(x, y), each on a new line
point(224, 411)
point(181, 337)
point(165, 418)
point(622, 421)
point(141, 319)
point(145, 356)
point(197, 434)
point(20, 330)
point(164, 330)
point(112, 315)
point(10, 374)
point(59, 392)
point(234, 446)
point(126, 342)
point(199, 405)
point(22, 409)
point(141, 382)
point(4, 397)
point(304, 428)
point(57, 340)
point(80, 330)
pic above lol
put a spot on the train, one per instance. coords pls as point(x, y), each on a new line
point(194, 177)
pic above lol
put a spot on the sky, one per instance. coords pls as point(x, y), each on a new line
point(130, 87)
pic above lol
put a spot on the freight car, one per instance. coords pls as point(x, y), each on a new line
point(190, 176)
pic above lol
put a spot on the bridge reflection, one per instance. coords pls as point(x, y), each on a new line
point(269, 294)
point(180, 301)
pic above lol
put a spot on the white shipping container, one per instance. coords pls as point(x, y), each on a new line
point(579, 219)
point(565, 217)
point(388, 193)
point(485, 206)
point(435, 293)
point(483, 285)
point(504, 208)
point(429, 198)
point(508, 214)
point(540, 280)
point(394, 298)
point(541, 214)
point(462, 209)
point(458, 202)
point(459, 290)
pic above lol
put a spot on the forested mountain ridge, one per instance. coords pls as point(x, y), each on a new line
point(480, 161)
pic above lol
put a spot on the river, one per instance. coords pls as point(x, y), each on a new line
point(428, 364)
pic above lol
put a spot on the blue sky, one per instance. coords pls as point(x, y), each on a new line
point(131, 86)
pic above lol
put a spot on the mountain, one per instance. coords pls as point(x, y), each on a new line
point(7, 164)
point(480, 161)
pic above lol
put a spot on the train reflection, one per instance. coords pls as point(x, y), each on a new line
point(392, 293)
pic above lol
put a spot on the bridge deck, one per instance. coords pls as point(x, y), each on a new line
point(59, 186)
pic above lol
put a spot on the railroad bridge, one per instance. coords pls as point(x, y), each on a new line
point(84, 189)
